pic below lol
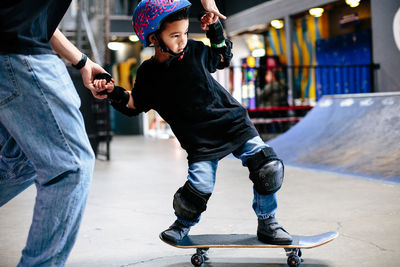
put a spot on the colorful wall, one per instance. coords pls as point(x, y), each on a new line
point(307, 31)
point(276, 44)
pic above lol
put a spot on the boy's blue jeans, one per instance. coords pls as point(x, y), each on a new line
point(202, 177)
point(43, 141)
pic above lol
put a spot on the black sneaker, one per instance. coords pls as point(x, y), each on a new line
point(271, 232)
point(175, 233)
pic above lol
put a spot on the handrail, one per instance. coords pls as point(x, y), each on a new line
point(90, 37)
point(277, 108)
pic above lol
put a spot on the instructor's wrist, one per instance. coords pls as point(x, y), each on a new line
point(81, 63)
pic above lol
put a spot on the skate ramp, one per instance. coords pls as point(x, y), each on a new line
point(356, 134)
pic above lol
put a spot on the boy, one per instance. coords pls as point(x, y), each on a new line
point(208, 122)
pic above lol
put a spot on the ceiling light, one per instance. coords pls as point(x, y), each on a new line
point(353, 3)
point(316, 12)
point(277, 24)
point(115, 46)
point(260, 52)
point(133, 38)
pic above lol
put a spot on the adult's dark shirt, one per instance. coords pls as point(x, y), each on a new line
point(26, 26)
point(208, 122)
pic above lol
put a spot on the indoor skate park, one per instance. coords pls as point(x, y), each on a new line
point(335, 123)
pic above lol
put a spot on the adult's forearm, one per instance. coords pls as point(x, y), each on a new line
point(68, 51)
point(65, 48)
point(210, 6)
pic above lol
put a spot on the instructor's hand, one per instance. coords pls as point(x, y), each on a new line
point(211, 7)
point(88, 71)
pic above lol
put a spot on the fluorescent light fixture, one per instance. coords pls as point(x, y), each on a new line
point(133, 38)
point(115, 46)
point(277, 24)
point(260, 52)
point(353, 3)
point(316, 12)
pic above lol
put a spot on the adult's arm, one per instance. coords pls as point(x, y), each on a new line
point(67, 50)
point(211, 7)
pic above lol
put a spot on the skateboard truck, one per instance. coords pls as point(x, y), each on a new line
point(200, 256)
point(294, 256)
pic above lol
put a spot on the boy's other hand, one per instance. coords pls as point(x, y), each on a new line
point(211, 7)
point(207, 19)
point(88, 72)
point(103, 84)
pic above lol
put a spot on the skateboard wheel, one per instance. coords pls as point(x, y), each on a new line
point(294, 261)
point(197, 260)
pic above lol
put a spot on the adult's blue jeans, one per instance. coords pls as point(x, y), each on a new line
point(43, 141)
point(202, 177)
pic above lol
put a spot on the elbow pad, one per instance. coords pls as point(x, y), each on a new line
point(226, 52)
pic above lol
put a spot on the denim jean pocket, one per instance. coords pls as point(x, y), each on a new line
point(9, 87)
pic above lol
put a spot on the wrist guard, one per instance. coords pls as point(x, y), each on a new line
point(119, 99)
point(101, 76)
point(226, 53)
point(216, 34)
point(119, 96)
point(125, 110)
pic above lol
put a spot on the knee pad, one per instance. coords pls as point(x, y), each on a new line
point(189, 203)
point(266, 171)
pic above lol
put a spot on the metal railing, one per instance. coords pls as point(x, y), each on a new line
point(311, 82)
point(122, 7)
point(332, 79)
point(90, 36)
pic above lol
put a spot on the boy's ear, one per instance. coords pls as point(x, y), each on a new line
point(153, 39)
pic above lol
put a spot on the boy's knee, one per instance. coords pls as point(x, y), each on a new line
point(266, 171)
point(189, 203)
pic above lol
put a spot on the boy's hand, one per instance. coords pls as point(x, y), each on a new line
point(103, 83)
point(207, 19)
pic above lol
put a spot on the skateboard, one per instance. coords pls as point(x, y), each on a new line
point(202, 243)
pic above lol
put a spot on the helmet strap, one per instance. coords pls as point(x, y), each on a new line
point(164, 48)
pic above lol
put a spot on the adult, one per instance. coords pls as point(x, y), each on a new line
point(42, 134)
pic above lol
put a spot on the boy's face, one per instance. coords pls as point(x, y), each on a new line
point(175, 35)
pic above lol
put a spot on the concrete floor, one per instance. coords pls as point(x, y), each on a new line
point(131, 203)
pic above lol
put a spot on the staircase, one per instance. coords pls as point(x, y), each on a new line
point(78, 26)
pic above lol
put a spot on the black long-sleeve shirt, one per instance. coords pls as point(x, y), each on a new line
point(208, 122)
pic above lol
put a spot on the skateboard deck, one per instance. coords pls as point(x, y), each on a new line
point(203, 242)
